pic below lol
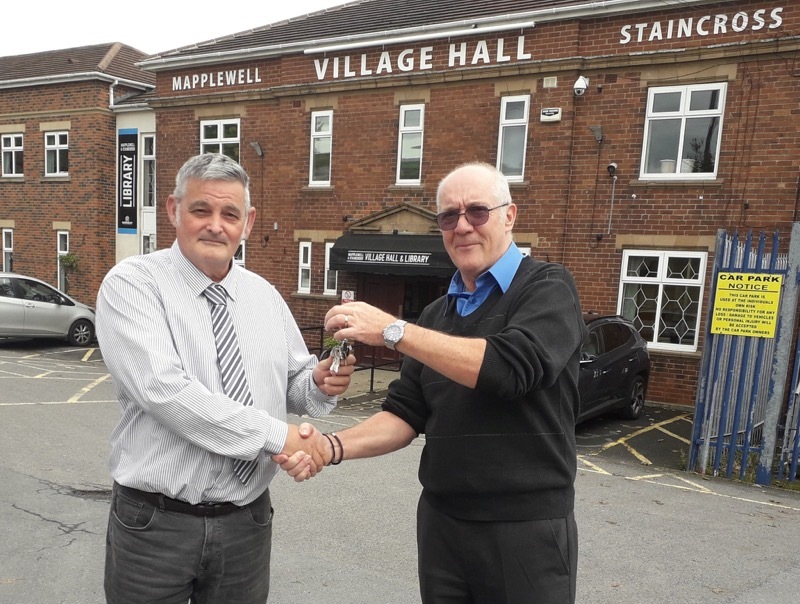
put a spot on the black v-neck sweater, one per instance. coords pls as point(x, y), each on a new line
point(504, 450)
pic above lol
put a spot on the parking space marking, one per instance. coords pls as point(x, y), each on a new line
point(687, 485)
point(34, 403)
point(624, 440)
point(86, 389)
point(644, 477)
point(88, 354)
point(694, 485)
point(642, 459)
point(12, 374)
point(685, 441)
point(592, 467)
point(697, 488)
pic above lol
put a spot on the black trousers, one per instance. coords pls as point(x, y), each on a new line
point(469, 562)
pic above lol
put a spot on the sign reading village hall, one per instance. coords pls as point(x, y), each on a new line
point(490, 52)
point(388, 258)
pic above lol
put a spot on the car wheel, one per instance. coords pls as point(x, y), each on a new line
point(81, 333)
point(633, 408)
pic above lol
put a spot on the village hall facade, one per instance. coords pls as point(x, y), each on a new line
point(631, 132)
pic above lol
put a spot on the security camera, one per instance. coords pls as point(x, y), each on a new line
point(612, 168)
point(581, 84)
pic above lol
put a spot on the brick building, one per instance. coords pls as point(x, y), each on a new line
point(684, 122)
point(631, 131)
point(58, 127)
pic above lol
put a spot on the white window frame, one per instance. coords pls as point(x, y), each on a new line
point(62, 249)
point(661, 280)
point(149, 168)
point(58, 149)
point(222, 141)
point(239, 255)
point(677, 164)
point(13, 154)
point(304, 268)
point(148, 243)
point(319, 135)
point(8, 250)
point(508, 123)
point(407, 131)
point(329, 273)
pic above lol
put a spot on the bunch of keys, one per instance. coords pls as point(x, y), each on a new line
point(340, 352)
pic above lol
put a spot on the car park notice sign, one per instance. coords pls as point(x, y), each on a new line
point(746, 304)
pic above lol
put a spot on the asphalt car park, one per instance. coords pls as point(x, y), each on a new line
point(659, 437)
point(58, 409)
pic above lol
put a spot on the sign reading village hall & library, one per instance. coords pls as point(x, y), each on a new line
point(402, 258)
point(746, 304)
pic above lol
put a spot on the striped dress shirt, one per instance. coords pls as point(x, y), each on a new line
point(179, 434)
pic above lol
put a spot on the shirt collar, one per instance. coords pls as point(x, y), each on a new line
point(199, 281)
point(502, 272)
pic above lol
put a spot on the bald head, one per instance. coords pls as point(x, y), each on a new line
point(479, 172)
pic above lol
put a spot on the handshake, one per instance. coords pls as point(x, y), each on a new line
point(307, 451)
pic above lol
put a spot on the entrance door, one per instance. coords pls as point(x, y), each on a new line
point(385, 292)
point(403, 297)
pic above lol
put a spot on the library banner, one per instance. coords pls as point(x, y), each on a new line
point(127, 162)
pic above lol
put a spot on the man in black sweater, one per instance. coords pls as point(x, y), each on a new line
point(490, 376)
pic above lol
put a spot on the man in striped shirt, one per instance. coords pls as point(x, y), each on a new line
point(183, 525)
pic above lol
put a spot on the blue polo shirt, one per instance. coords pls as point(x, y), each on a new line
point(500, 275)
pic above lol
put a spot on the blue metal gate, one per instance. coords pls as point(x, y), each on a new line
point(740, 392)
point(790, 449)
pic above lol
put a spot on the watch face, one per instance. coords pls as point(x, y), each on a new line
point(393, 332)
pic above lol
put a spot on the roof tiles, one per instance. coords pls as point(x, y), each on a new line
point(112, 59)
point(365, 17)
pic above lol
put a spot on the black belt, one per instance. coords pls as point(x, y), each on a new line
point(182, 507)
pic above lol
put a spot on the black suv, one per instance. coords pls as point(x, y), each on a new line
point(615, 366)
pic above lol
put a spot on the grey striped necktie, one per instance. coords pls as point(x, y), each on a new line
point(231, 366)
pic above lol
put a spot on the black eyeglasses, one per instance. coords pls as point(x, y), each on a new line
point(475, 215)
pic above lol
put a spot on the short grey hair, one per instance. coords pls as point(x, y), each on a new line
point(502, 192)
point(211, 166)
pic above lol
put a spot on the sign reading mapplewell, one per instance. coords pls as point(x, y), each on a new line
point(747, 304)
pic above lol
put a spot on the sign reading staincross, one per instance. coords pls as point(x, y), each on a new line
point(746, 304)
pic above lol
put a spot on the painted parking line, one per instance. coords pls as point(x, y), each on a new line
point(685, 441)
point(638, 455)
point(45, 403)
point(88, 388)
point(693, 486)
point(88, 355)
point(686, 484)
point(591, 467)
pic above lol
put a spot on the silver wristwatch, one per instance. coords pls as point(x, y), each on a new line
point(393, 333)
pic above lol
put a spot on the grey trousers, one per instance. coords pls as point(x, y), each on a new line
point(158, 556)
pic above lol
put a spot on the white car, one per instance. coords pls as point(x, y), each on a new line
point(30, 308)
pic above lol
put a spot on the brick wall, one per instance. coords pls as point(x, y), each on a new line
point(85, 199)
point(568, 200)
